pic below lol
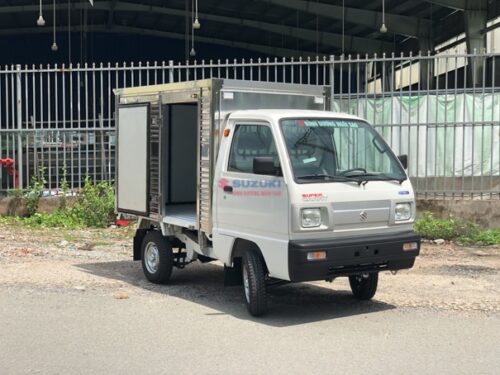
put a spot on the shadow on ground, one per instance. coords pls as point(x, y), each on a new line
point(289, 304)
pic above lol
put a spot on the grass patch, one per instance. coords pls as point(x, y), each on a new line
point(454, 229)
point(10, 220)
point(484, 237)
point(93, 208)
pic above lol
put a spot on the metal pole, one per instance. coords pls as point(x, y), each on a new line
point(331, 73)
point(170, 71)
point(19, 126)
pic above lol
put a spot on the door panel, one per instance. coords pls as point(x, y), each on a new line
point(133, 159)
point(249, 203)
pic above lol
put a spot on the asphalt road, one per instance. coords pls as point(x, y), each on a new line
point(166, 330)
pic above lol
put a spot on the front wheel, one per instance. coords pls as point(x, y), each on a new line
point(157, 258)
point(254, 283)
point(364, 286)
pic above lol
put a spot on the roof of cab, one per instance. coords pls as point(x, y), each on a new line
point(278, 114)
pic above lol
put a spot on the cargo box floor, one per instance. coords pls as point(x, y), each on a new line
point(183, 215)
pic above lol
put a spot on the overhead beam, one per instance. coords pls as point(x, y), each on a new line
point(461, 4)
point(268, 50)
point(399, 24)
point(352, 44)
point(452, 4)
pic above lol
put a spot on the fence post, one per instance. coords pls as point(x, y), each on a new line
point(170, 71)
point(332, 72)
point(19, 106)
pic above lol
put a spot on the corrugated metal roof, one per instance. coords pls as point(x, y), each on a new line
point(269, 27)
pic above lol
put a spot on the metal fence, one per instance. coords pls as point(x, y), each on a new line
point(442, 110)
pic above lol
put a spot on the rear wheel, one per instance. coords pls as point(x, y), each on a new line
point(364, 286)
point(254, 283)
point(157, 258)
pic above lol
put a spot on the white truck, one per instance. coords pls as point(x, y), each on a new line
point(261, 177)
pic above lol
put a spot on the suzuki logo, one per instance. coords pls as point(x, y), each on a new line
point(363, 216)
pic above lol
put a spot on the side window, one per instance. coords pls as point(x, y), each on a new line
point(250, 141)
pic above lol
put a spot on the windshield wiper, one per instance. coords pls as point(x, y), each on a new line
point(379, 177)
point(329, 177)
point(303, 138)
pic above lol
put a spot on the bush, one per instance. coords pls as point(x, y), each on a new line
point(58, 219)
point(486, 237)
point(95, 206)
point(462, 231)
point(35, 191)
point(447, 229)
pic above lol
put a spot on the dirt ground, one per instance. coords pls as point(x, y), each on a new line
point(446, 277)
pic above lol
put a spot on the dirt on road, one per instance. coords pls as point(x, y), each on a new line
point(445, 277)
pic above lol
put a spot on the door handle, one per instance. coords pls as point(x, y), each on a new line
point(228, 189)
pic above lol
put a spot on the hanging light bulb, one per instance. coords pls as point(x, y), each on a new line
point(192, 53)
point(54, 44)
point(383, 28)
point(40, 21)
point(196, 23)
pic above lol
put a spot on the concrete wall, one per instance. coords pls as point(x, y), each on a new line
point(15, 206)
point(484, 212)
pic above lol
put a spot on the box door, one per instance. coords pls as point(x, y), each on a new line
point(133, 159)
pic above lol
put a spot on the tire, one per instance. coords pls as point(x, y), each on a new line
point(156, 257)
point(364, 288)
point(254, 283)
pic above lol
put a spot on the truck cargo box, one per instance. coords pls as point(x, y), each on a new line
point(174, 132)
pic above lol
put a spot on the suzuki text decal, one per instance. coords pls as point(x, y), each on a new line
point(256, 188)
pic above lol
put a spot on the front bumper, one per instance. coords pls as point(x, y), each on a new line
point(349, 256)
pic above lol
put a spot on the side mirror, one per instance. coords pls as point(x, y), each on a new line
point(265, 165)
point(404, 160)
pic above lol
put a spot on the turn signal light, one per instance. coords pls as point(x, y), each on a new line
point(226, 132)
point(410, 246)
point(316, 255)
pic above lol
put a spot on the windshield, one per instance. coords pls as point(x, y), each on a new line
point(327, 149)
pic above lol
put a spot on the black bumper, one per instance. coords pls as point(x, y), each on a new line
point(349, 256)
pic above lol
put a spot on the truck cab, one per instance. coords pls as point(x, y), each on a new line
point(296, 195)
point(319, 194)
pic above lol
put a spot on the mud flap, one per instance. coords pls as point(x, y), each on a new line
point(139, 236)
point(233, 275)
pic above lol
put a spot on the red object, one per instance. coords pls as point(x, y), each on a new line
point(11, 170)
point(122, 222)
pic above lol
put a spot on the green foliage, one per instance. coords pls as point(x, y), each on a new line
point(64, 187)
point(35, 190)
point(462, 231)
point(485, 237)
point(95, 206)
point(448, 229)
point(58, 219)
point(7, 219)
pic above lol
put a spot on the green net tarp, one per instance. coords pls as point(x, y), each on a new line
point(443, 135)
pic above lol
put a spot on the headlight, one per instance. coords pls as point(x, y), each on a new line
point(311, 217)
point(402, 211)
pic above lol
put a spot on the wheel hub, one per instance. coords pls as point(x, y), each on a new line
point(246, 284)
point(152, 257)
